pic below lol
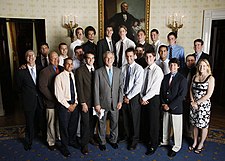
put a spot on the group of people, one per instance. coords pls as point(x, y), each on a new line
point(144, 90)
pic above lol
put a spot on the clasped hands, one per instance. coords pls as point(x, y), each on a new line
point(72, 107)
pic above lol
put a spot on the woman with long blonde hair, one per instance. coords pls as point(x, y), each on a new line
point(201, 90)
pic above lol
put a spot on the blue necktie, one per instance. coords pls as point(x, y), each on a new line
point(72, 91)
point(33, 75)
point(110, 76)
point(127, 79)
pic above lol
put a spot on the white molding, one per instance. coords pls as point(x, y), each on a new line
point(209, 16)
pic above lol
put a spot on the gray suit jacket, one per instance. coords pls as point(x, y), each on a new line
point(104, 95)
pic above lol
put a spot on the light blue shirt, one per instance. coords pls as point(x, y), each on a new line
point(135, 81)
point(177, 52)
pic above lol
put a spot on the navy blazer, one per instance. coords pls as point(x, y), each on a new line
point(28, 90)
point(203, 56)
point(174, 94)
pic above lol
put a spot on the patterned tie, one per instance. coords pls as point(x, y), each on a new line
point(171, 51)
point(120, 55)
point(146, 81)
point(110, 75)
point(72, 91)
point(127, 79)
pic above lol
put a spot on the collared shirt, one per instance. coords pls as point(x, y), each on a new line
point(34, 77)
point(76, 64)
point(177, 52)
point(197, 56)
point(127, 43)
point(135, 81)
point(107, 69)
point(61, 60)
point(109, 43)
point(156, 46)
point(43, 60)
point(62, 88)
point(90, 67)
point(165, 68)
point(77, 42)
point(155, 78)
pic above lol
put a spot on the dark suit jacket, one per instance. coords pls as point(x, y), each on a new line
point(39, 64)
point(102, 47)
point(174, 94)
point(203, 56)
point(104, 95)
point(85, 86)
point(89, 46)
point(148, 47)
point(29, 93)
point(46, 85)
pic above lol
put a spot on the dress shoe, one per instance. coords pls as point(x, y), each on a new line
point(150, 151)
point(132, 146)
point(93, 142)
point(102, 147)
point(27, 146)
point(114, 145)
point(52, 148)
point(65, 152)
point(84, 150)
point(172, 153)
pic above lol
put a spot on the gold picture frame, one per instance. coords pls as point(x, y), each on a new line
point(101, 15)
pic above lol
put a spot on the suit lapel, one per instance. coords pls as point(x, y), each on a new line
point(104, 72)
point(106, 44)
point(29, 76)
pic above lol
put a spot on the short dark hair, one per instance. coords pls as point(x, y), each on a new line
point(174, 60)
point(77, 47)
point(79, 28)
point(155, 30)
point(65, 60)
point(130, 50)
point(152, 51)
point(140, 46)
point(172, 33)
point(199, 40)
point(108, 27)
point(62, 43)
point(141, 30)
point(163, 46)
point(89, 52)
point(190, 55)
point(89, 28)
point(43, 43)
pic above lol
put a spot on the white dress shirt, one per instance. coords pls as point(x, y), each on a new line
point(165, 68)
point(156, 46)
point(77, 42)
point(127, 43)
point(135, 81)
point(32, 73)
point(90, 67)
point(61, 60)
point(155, 78)
point(62, 88)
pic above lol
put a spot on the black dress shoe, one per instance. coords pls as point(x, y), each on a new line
point(102, 147)
point(172, 153)
point(27, 146)
point(84, 150)
point(132, 146)
point(52, 148)
point(65, 152)
point(114, 145)
point(150, 151)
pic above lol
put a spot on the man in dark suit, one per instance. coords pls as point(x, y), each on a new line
point(90, 35)
point(141, 35)
point(42, 59)
point(199, 54)
point(123, 18)
point(108, 98)
point(173, 92)
point(85, 90)
point(103, 45)
point(46, 86)
point(27, 85)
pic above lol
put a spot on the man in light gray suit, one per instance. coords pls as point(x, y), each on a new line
point(108, 95)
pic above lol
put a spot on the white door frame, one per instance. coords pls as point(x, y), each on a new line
point(209, 16)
